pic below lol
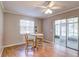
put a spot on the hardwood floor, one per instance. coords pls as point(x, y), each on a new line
point(49, 50)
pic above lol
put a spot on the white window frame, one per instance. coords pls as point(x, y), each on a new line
point(28, 26)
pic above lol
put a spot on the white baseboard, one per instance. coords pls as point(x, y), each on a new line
point(14, 44)
point(1, 51)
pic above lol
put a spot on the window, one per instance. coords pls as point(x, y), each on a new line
point(60, 27)
point(57, 28)
point(26, 26)
point(73, 26)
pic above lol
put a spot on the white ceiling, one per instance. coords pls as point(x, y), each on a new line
point(26, 8)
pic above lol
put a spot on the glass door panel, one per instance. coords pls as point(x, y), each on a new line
point(60, 32)
point(72, 33)
point(57, 31)
point(63, 32)
point(66, 33)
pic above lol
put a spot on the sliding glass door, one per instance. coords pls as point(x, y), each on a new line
point(57, 32)
point(63, 32)
point(66, 32)
point(60, 32)
point(72, 33)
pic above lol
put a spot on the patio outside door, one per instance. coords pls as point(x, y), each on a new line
point(66, 32)
point(60, 32)
point(72, 33)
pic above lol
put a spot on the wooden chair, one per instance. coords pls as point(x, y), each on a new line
point(39, 41)
point(29, 39)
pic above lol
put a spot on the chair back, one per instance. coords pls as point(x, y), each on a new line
point(29, 40)
point(26, 37)
point(31, 37)
point(39, 40)
point(40, 36)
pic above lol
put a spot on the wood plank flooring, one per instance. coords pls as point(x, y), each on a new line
point(49, 50)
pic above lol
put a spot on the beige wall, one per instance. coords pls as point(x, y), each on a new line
point(47, 29)
point(12, 28)
point(48, 23)
point(1, 30)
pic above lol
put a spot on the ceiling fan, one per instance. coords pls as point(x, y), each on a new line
point(49, 6)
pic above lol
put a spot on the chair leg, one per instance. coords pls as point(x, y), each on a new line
point(27, 45)
point(33, 44)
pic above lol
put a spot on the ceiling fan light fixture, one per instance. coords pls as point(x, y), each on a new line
point(48, 11)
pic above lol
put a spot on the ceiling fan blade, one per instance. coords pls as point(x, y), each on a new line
point(43, 10)
point(51, 4)
point(39, 6)
point(56, 7)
